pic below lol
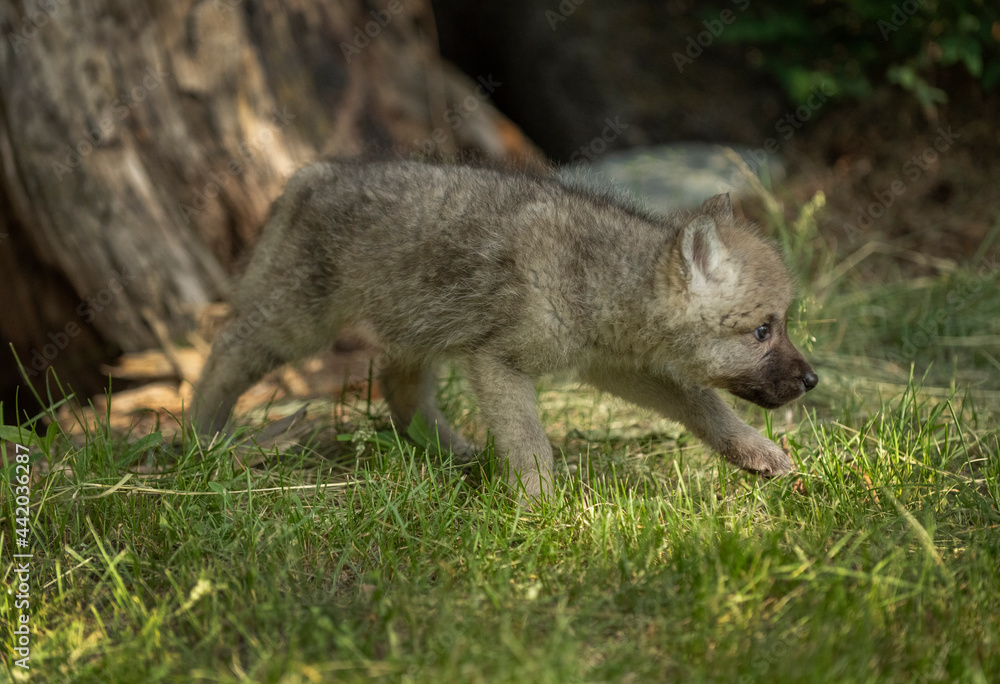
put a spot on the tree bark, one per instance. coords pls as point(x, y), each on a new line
point(141, 143)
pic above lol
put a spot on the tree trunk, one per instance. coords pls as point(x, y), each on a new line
point(142, 142)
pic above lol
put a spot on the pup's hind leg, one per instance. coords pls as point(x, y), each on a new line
point(234, 365)
point(410, 388)
point(248, 348)
point(288, 304)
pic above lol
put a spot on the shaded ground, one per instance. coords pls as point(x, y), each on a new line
point(889, 173)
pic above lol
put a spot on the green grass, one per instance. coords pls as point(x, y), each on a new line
point(364, 557)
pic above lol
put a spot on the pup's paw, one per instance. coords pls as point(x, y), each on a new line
point(461, 451)
point(530, 486)
point(759, 455)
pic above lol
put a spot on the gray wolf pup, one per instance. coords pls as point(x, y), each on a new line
point(515, 276)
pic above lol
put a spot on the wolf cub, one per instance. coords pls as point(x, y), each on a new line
point(516, 276)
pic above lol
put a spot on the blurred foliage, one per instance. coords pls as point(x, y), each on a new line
point(851, 46)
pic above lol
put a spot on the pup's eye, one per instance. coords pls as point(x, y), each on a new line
point(762, 333)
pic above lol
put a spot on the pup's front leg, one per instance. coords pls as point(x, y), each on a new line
point(703, 412)
point(507, 400)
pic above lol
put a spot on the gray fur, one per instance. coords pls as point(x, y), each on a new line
point(515, 276)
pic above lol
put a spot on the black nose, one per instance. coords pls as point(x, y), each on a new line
point(810, 380)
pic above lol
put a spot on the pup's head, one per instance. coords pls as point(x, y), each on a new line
point(735, 292)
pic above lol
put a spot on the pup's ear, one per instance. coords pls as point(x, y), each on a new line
point(719, 207)
point(705, 259)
